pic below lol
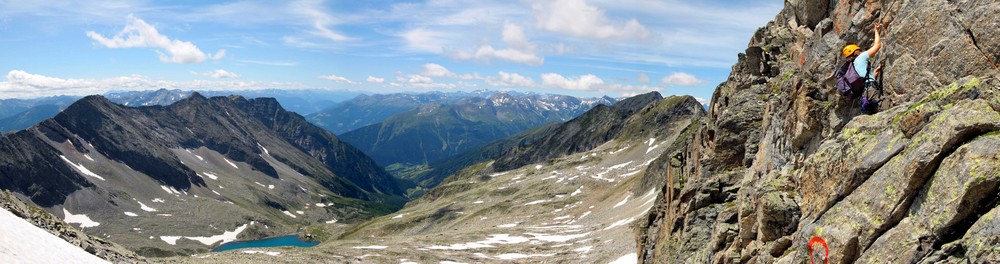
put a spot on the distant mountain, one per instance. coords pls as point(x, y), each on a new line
point(29, 117)
point(147, 98)
point(301, 101)
point(366, 109)
point(195, 168)
point(11, 107)
point(631, 118)
point(435, 131)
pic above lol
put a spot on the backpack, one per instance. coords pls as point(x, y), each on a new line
point(849, 83)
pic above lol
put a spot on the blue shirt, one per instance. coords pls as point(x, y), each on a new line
point(861, 64)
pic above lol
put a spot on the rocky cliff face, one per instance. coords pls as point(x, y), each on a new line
point(782, 159)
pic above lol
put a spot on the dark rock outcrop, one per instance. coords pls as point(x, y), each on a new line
point(781, 158)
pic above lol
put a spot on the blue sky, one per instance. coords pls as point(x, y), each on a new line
point(575, 47)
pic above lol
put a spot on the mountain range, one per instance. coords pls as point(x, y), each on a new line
point(437, 130)
point(191, 169)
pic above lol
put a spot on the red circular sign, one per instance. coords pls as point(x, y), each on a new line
point(826, 249)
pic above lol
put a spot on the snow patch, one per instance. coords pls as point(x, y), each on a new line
point(158, 200)
point(620, 223)
point(332, 221)
point(536, 202)
point(211, 175)
point(88, 157)
point(289, 214)
point(216, 193)
point(651, 140)
point(626, 259)
point(170, 190)
point(270, 253)
point(147, 208)
point(130, 214)
point(170, 239)
point(371, 247)
point(81, 168)
point(231, 163)
point(507, 225)
point(81, 219)
point(478, 202)
point(225, 237)
point(557, 238)
point(621, 203)
point(320, 205)
point(538, 167)
point(578, 191)
point(300, 212)
point(263, 148)
point(270, 186)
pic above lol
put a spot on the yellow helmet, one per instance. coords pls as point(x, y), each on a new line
point(849, 49)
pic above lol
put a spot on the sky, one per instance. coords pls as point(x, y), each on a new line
point(576, 47)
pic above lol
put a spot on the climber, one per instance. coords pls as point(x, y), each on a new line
point(854, 76)
point(860, 59)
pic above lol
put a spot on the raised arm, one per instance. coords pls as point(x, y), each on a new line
point(878, 42)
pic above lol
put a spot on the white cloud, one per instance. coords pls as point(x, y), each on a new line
point(438, 71)
point(681, 79)
point(219, 55)
point(510, 80)
point(373, 79)
point(417, 78)
point(20, 84)
point(520, 49)
point(643, 78)
point(425, 40)
point(579, 19)
point(590, 82)
point(218, 74)
point(587, 82)
point(335, 78)
point(139, 34)
point(319, 19)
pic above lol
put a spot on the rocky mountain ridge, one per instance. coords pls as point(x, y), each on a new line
point(147, 177)
point(782, 160)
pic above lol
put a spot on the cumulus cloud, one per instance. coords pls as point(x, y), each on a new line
point(218, 74)
point(336, 78)
point(417, 78)
point(579, 19)
point(139, 34)
point(426, 40)
point(21, 84)
point(518, 50)
point(510, 80)
point(587, 82)
point(373, 79)
point(438, 71)
point(681, 79)
point(590, 82)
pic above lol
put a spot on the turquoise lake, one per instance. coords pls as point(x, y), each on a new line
point(282, 241)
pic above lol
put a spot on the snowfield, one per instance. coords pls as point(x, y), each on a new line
point(22, 242)
point(81, 219)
